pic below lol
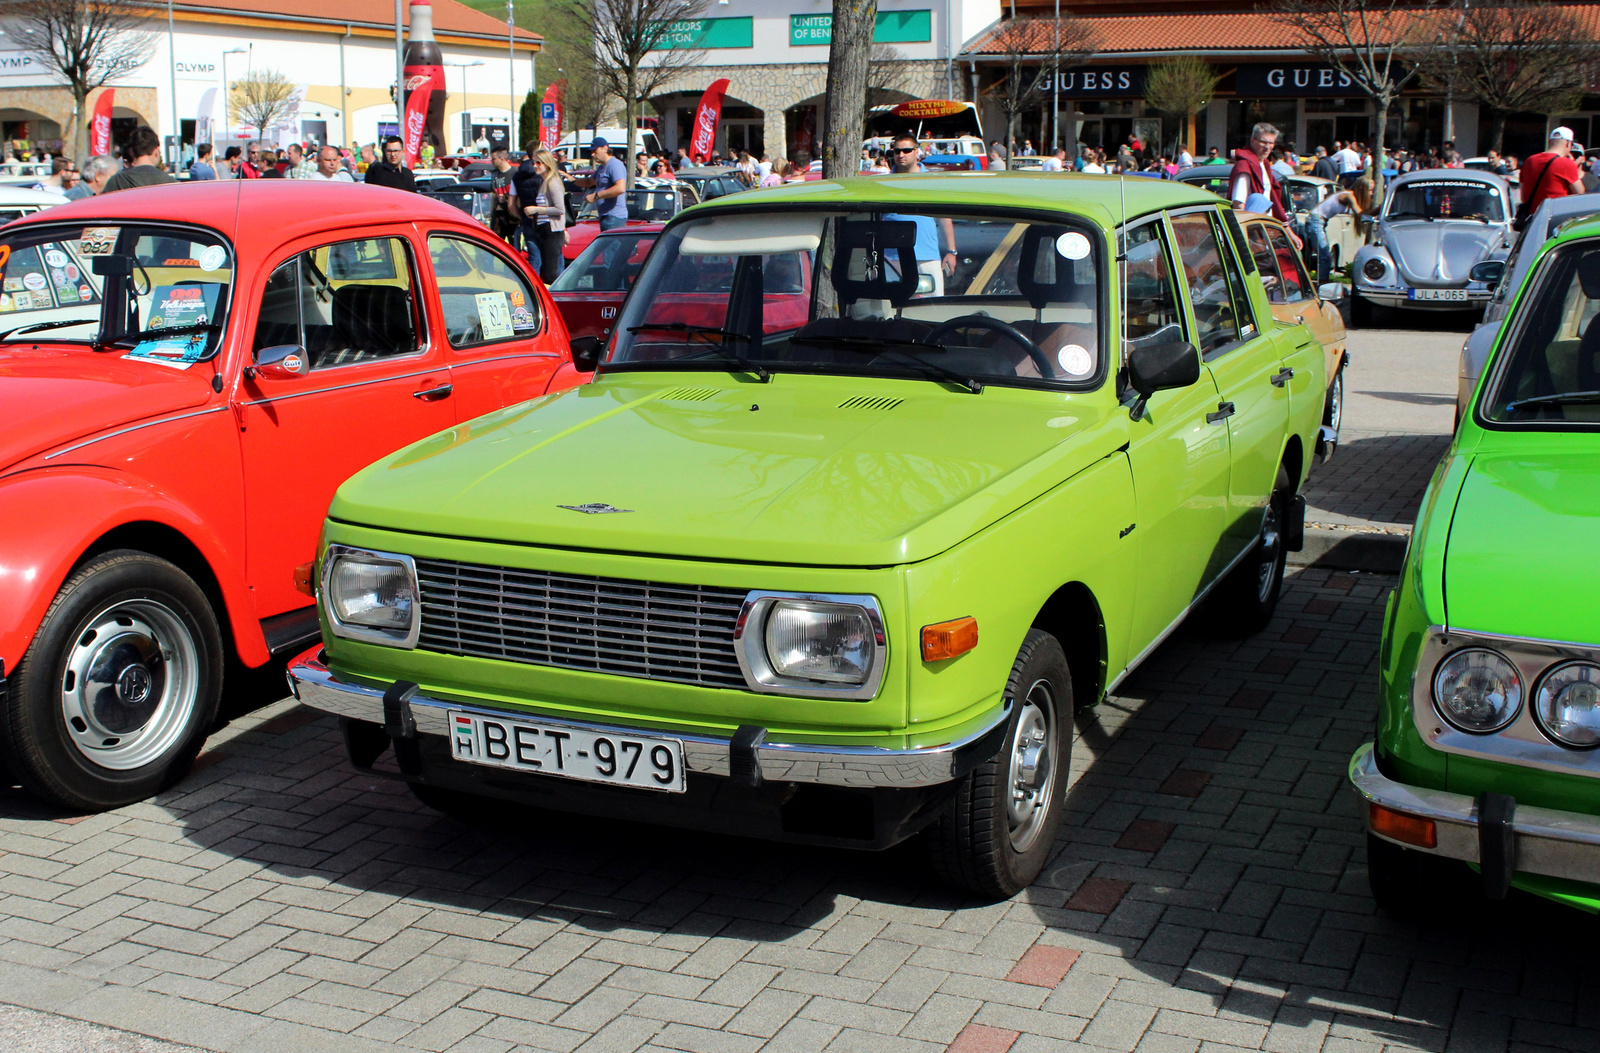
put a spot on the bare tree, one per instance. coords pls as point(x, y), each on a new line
point(568, 56)
point(889, 75)
point(1182, 85)
point(1032, 60)
point(849, 55)
point(263, 99)
point(1515, 56)
point(1365, 40)
point(90, 43)
point(639, 47)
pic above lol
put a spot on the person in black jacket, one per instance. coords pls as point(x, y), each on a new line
point(1326, 167)
point(390, 171)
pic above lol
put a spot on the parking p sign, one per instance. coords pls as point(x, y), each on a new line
point(547, 112)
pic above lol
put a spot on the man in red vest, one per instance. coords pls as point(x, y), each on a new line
point(1252, 175)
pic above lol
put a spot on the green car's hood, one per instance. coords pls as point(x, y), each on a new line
point(825, 471)
point(1520, 559)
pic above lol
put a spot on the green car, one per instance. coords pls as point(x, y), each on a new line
point(1489, 719)
point(877, 482)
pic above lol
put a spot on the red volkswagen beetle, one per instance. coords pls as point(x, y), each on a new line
point(186, 374)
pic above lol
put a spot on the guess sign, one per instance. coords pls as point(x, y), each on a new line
point(1294, 79)
point(1099, 82)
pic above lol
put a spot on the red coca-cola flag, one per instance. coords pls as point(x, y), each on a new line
point(704, 139)
point(416, 122)
point(550, 116)
point(100, 124)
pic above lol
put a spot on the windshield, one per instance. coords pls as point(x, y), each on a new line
point(1551, 374)
point(607, 264)
point(172, 286)
point(1303, 197)
point(650, 206)
point(1445, 199)
point(871, 293)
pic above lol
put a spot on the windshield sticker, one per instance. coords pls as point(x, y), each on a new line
point(11, 284)
point(34, 280)
point(178, 305)
point(213, 257)
point(6, 303)
point(494, 315)
point(1448, 184)
point(71, 271)
point(84, 292)
point(1075, 358)
point(1072, 245)
point(55, 257)
point(98, 241)
point(180, 263)
point(178, 351)
point(24, 301)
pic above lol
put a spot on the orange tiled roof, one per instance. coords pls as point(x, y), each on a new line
point(450, 17)
point(1195, 32)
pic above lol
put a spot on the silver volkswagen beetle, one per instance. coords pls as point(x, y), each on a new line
point(1436, 225)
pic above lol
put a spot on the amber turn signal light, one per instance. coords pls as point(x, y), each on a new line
point(948, 639)
point(1401, 827)
point(302, 579)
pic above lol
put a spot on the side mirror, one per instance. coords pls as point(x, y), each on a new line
point(1154, 367)
point(1489, 272)
point(283, 362)
point(585, 353)
point(1331, 291)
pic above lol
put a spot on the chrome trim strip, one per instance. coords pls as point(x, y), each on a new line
point(1521, 742)
point(135, 427)
point(441, 367)
point(1550, 841)
point(466, 360)
point(861, 767)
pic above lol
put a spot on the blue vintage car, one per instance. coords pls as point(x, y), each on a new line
point(1435, 226)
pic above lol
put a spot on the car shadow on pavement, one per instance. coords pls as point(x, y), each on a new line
point(1378, 478)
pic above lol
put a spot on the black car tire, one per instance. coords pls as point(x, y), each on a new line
point(1243, 602)
point(119, 688)
point(978, 844)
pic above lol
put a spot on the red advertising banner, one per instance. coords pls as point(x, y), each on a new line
point(100, 124)
point(550, 116)
point(704, 138)
point(416, 122)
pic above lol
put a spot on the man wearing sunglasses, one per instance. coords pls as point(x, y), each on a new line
point(936, 243)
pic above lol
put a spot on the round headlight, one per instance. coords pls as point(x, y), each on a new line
point(1374, 269)
point(1567, 704)
point(1477, 690)
point(831, 642)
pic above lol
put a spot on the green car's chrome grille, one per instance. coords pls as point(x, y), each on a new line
point(682, 633)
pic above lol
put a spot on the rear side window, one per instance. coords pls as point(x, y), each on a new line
point(1216, 290)
point(1296, 283)
point(485, 298)
point(345, 303)
point(1152, 297)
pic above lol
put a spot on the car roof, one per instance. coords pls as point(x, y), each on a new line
point(1570, 205)
point(1583, 228)
point(1093, 196)
point(632, 228)
point(23, 195)
point(258, 214)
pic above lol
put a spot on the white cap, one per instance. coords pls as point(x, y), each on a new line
point(1562, 132)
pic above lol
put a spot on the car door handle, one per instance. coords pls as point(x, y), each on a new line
point(434, 394)
point(1224, 411)
point(1283, 377)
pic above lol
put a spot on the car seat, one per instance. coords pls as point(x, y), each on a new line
point(369, 321)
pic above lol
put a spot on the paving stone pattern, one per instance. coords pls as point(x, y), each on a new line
point(1208, 895)
point(1374, 481)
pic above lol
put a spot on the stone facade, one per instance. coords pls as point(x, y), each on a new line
point(55, 104)
point(774, 88)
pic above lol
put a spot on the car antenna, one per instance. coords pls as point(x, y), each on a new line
point(1122, 260)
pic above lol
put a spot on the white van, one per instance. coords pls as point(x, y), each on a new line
point(576, 144)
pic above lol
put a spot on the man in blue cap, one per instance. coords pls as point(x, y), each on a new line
point(610, 186)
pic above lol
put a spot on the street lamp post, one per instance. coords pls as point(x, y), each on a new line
point(172, 75)
point(466, 107)
point(511, 74)
point(225, 92)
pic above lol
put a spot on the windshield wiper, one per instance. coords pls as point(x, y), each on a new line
point(1572, 398)
point(742, 362)
point(867, 343)
point(174, 330)
point(39, 327)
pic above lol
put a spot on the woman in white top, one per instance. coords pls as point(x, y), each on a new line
point(550, 215)
point(1314, 229)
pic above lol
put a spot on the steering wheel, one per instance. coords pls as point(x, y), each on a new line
point(1005, 329)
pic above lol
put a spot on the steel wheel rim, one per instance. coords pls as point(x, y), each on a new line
point(1271, 542)
point(131, 682)
point(1336, 403)
point(1031, 766)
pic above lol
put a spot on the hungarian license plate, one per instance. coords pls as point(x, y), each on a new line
point(1438, 294)
point(640, 761)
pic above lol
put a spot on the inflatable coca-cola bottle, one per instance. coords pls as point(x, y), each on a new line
point(424, 68)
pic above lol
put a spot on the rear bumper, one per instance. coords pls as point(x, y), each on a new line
point(748, 755)
point(1545, 841)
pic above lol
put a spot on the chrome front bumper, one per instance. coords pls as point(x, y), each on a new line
point(859, 767)
point(1391, 297)
point(1547, 841)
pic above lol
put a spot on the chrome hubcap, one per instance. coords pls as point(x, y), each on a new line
point(1031, 777)
point(1271, 541)
point(130, 684)
point(1336, 404)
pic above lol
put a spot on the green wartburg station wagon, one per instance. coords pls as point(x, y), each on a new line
point(877, 481)
point(1489, 720)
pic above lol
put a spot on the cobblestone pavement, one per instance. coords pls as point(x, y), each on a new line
point(1208, 895)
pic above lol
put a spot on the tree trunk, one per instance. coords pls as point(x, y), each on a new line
point(1382, 104)
point(630, 108)
point(849, 54)
point(1497, 130)
point(1011, 136)
point(1188, 135)
point(80, 129)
